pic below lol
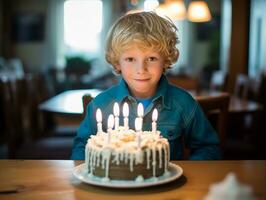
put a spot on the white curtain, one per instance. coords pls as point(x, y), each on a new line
point(54, 45)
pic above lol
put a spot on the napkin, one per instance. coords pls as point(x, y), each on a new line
point(230, 189)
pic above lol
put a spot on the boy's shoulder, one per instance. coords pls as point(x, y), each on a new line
point(106, 96)
point(179, 96)
point(179, 92)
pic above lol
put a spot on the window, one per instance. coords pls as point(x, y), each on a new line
point(82, 27)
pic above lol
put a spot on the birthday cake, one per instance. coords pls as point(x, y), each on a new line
point(126, 154)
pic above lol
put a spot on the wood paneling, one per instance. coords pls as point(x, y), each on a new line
point(238, 57)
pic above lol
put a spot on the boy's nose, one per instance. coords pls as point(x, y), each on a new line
point(141, 67)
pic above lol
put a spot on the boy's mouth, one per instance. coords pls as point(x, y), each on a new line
point(142, 79)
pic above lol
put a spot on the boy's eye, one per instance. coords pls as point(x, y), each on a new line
point(152, 59)
point(129, 59)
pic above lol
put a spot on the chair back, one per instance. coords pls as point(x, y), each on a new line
point(11, 112)
point(242, 86)
point(261, 90)
point(219, 81)
point(86, 98)
point(185, 81)
point(216, 110)
point(21, 119)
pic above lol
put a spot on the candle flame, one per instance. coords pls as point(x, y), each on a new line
point(125, 110)
point(98, 115)
point(110, 121)
point(155, 115)
point(116, 109)
point(140, 110)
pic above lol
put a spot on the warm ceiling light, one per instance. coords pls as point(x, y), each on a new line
point(162, 10)
point(176, 10)
point(198, 11)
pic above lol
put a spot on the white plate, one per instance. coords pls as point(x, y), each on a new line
point(175, 172)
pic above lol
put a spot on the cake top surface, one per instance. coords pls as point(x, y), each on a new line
point(126, 140)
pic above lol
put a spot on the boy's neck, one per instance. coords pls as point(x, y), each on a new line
point(144, 95)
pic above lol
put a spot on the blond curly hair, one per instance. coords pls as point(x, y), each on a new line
point(146, 29)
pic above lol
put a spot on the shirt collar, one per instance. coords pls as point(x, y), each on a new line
point(122, 91)
point(161, 93)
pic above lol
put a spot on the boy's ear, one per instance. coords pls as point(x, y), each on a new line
point(117, 68)
point(177, 56)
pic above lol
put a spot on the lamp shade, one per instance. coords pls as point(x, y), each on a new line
point(177, 10)
point(198, 11)
point(174, 9)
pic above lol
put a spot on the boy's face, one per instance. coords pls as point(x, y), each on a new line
point(142, 70)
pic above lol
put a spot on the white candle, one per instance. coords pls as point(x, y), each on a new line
point(140, 112)
point(154, 119)
point(110, 125)
point(125, 114)
point(99, 120)
point(138, 125)
point(116, 114)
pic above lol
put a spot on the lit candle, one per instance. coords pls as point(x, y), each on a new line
point(110, 125)
point(125, 114)
point(116, 114)
point(99, 120)
point(140, 112)
point(154, 119)
point(138, 125)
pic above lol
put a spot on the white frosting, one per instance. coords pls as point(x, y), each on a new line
point(123, 147)
point(230, 189)
point(139, 179)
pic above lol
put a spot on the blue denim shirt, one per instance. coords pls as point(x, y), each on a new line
point(180, 120)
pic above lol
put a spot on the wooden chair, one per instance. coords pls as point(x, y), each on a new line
point(24, 141)
point(216, 110)
point(261, 98)
point(86, 100)
point(260, 93)
point(247, 134)
point(8, 135)
point(247, 125)
point(242, 86)
point(185, 81)
point(219, 81)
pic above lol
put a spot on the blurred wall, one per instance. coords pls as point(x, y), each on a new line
point(31, 53)
point(239, 49)
point(257, 42)
point(198, 50)
point(202, 39)
point(1, 28)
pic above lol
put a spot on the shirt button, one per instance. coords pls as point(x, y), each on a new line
point(170, 137)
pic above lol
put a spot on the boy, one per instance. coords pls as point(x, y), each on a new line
point(140, 47)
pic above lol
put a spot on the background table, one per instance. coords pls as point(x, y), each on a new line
point(70, 102)
point(47, 179)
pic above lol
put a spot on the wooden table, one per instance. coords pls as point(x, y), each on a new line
point(70, 102)
point(48, 180)
point(236, 105)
